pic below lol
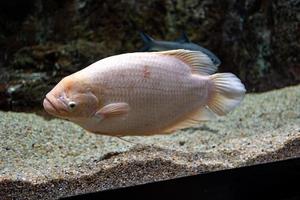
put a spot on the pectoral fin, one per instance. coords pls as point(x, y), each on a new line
point(113, 110)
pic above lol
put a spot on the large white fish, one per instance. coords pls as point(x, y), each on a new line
point(145, 93)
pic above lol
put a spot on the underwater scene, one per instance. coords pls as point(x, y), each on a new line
point(101, 95)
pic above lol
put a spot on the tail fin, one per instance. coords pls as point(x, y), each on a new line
point(228, 93)
point(148, 41)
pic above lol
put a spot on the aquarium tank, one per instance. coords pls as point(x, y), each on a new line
point(102, 95)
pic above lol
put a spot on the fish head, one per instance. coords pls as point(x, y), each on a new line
point(71, 99)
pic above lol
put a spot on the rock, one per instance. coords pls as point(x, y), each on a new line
point(43, 159)
point(255, 39)
point(36, 70)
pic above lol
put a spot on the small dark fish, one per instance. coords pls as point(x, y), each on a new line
point(180, 43)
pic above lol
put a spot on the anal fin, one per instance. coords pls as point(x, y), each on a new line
point(202, 114)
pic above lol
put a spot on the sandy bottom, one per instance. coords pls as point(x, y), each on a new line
point(51, 159)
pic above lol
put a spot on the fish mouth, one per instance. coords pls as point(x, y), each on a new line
point(54, 106)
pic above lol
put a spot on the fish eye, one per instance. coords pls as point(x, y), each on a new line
point(72, 104)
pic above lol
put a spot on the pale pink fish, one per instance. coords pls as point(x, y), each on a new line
point(145, 93)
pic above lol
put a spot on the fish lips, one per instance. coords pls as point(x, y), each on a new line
point(55, 106)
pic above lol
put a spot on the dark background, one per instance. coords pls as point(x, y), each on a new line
point(42, 41)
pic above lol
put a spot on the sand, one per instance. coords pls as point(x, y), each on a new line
point(49, 159)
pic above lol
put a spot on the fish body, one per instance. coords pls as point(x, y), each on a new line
point(145, 93)
point(180, 43)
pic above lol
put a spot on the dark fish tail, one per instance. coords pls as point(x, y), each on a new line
point(211, 55)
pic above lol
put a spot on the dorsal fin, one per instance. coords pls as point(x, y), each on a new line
point(183, 38)
point(199, 62)
point(147, 40)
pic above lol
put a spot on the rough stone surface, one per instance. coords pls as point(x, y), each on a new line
point(43, 159)
point(255, 39)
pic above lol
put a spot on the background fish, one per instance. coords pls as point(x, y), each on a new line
point(181, 43)
point(145, 93)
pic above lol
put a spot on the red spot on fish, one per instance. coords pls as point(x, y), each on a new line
point(146, 71)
